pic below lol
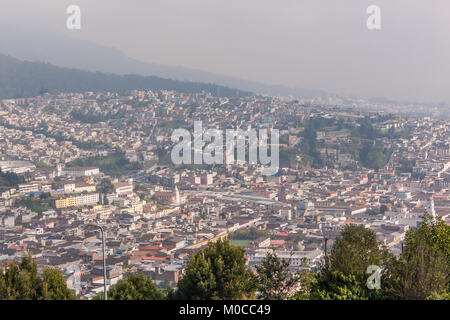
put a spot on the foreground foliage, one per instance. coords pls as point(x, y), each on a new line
point(219, 271)
point(135, 287)
point(20, 281)
point(423, 269)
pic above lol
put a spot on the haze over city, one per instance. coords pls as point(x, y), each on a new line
point(306, 44)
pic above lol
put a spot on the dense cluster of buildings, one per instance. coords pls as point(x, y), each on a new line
point(156, 216)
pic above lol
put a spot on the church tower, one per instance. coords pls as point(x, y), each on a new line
point(431, 209)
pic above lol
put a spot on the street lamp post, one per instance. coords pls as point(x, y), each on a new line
point(105, 294)
point(325, 238)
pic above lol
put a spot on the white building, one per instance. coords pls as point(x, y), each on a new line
point(26, 188)
point(80, 171)
point(17, 166)
point(123, 188)
point(87, 199)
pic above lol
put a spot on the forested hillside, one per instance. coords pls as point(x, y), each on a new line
point(19, 79)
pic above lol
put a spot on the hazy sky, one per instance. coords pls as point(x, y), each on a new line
point(315, 44)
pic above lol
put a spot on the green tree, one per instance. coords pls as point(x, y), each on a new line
point(10, 179)
point(344, 268)
point(54, 286)
point(217, 272)
point(373, 155)
point(365, 130)
point(135, 287)
point(309, 144)
point(274, 278)
point(423, 269)
point(106, 186)
point(307, 280)
point(338, 286)
point(444, 295)
point(20, 281)
point(355, 250)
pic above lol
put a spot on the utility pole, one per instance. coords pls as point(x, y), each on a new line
point(325, 239)
point(105, 294)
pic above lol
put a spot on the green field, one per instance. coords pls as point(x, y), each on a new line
point(240, 243)
point(114, 164)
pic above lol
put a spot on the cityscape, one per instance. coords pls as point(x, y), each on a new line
point(70, 160)
point(124, 179)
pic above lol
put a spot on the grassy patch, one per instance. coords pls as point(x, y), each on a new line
point(114, 164)
point(240, 243)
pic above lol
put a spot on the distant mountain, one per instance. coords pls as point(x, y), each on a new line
point(64, 51)
point(24, 79)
